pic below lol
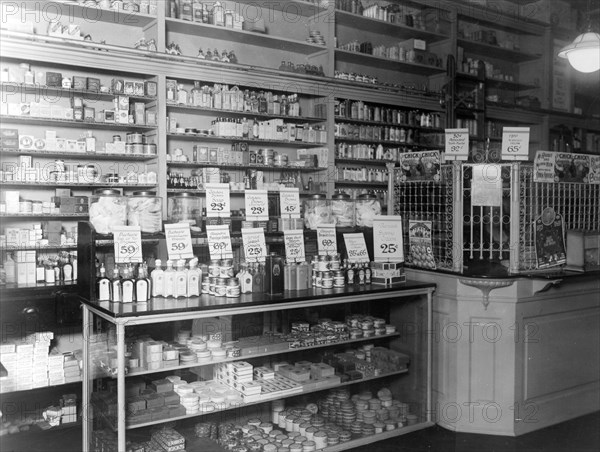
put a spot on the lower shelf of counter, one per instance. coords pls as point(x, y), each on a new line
point(267, 398)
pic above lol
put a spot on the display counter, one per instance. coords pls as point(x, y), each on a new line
point(514, 354)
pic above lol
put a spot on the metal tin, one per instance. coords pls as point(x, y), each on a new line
point(150, 149)
point(138, 148)
point(233, 289)
point(221, 287)
point(135, 138)
point(281, 160)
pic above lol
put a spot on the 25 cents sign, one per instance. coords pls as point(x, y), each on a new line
point(388, 239)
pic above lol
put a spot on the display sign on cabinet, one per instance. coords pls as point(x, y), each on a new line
point(515, 143)
point(127, 244)
point(457, 144)
point(255, 248)
point(179, 241)
point(326, 239)
point(219, 242)
point(218, 203)
point(356, 247)
point(289, 200)
point(257, 205)
point(388, 241)
point(294, 245)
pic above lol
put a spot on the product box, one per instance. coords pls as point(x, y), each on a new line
point(79, 83)
point(93, 84)
point(54, 79)
point(129, 88)
point(89, 114)
point(151, 118)
point(117, 85)
point(150, 89)
point(139, 112)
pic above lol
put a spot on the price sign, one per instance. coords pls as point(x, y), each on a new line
point(457, 144)
point(515, 143)
point(388, 244)
point(356, 247)
point(326, 239)
point(217, 200)
point(289, 200)
point(255, 248)
point(219, 242)
point(294, 245)
point(179, 241)
point(128, 244)
point(257, 205)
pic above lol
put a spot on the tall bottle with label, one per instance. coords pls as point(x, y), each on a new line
point(117, 290)
point(169, 277)
point(128, 286)
point(194, 279)
point(142, 284)
point(158, 279)
point(103, 286)
point(180, 280)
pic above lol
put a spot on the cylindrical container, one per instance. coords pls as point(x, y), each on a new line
point(206, 285)
point(274, 275)
point(366, 208)
point(108, 208)
point(185, 208)
point(150, 149)
point(317, 211)
point(342, 210)
point(135, 138)
point(233, 288)
point(144, 209)
point(221, 287)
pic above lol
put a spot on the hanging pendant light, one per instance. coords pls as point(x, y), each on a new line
point(584, 52)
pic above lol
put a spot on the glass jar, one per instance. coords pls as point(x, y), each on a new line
point(185, 208)
point(367, 207)
point(108, 208)
point(342, 210)
point(317, 211)
point(144, 209)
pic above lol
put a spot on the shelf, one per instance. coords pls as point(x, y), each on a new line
point(489, 50)
point(266, 41)
point(340, 119)
point(242, 114)
point(78, 155)
point(65, 216)
point(391, 143)
point(212, 138)
point(291, 7)
point(398, 31)
point(34, 185)
point(303, 169)
point(39, 387)
point(496, 83)
point(361, 184)
point(87, 94)
point(70, 123)
point(38, 248)
point(96, 14)
point(259, 355)
point(275, 396)
point(37, 287)
point(385, 63)
point(231, 192)
point(374, 162)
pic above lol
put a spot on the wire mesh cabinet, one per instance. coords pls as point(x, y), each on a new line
point(465, 230)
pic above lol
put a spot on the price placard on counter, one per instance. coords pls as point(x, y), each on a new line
point(255, 247)
point(128, 244)
point(388, 244)
point(219, 242)
point(356, 247)
point(515, 143)
point(457, 144)
point(179, 241)
point(289, 201)
point(257, 205)
point(218, 203)
point(294, 245)
point(326, 239)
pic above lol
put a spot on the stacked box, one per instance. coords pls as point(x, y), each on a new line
point(71, 369)
point(169, 440)
point(264, 373)
point(56, 373)
point(24, 366)
point(8, 357)
point(68, 403)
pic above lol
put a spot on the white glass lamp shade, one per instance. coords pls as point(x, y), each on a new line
point(583, 53)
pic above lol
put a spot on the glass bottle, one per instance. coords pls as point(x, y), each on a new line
point(116, 293)
point(142, 284)
point(158, 279)
point(180, 280)
point(194, 279)
point(103, 289)
point(182, 95)
point(201, 55)
point(128, 286)
point(169, 277)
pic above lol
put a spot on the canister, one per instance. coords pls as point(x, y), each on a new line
point(144, 209)
point(108, 208)
point(342, 210)
point(135, 138)
point(150, 149)
point(366, 208)
point(317, 211)
point(185, 207)
point(274, 275)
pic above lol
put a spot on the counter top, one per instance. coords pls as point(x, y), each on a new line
point(206, 303)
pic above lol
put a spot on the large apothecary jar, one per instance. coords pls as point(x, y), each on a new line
point(367, 206)
point(108, 208)
point(317, 211)
point(144, 209)
point(185, 207)
point(342, 210)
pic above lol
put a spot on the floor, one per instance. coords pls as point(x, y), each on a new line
point(578, 435)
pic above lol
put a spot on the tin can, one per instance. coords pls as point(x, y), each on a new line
point(206, 285)
point(221, 287)
point(212, 285)
point(233, 288)
point(214, 269)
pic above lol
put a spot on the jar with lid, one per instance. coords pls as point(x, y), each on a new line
point(108, 208)
point(367, 207)
point(144, 209)
point(342, 210)
point(317, 211)
point(185, 207)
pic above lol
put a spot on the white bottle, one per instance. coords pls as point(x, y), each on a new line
point(158, 279)
point(128, 286)
point(181, 278)
point(90, 143)
point(169, 286)
point(194, 279)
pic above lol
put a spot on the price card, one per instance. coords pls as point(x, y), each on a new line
point(219, 242)
point(289, 200)
point(217, 200)
point(294, 245)
point(128, 244)
point(257, 205)
point(356, 247)
point(326, 239)
point(255, 248)
point(388, 245)
point(515, 143)
point(179, 241)
point(457, 144)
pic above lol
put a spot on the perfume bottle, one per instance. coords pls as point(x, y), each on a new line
point(103, 286)
point(169, 277)
point(128, 286)
point(180, 280)
point(116, 293)
point(142, 284)
point(194, 279)
point(158, 279)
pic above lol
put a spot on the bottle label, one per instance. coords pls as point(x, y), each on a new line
point(104, 290)
point(141, 290)
point(127, 291)
point(158, 282)
point(181, 286)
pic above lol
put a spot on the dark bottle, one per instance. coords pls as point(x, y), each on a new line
point(274, 274)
